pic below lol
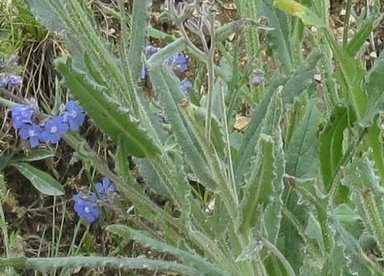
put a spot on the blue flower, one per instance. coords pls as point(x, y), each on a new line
point(21, 114)
point(74, 115)
point(105, 188)
point(185, 85)
point(85, 207)
point(143, 72)
point(54, 129)
point(10, 80)
point(149, 50)
point(14, 81)
point(178, 63)
point(32, 133)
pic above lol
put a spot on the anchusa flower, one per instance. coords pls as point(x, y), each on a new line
point(9, 80)
point(105, 188)
point(185, 85)
point(52, 130)
point(87, 206)
point(21, 114)
point(177, 62)
point(257, 77)
point(31, 133)
point(74, 115)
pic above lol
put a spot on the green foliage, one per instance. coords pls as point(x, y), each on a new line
point(17, 27)
point(269, 202)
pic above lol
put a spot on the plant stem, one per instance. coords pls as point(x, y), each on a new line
point(348, 9)
point(211, 77)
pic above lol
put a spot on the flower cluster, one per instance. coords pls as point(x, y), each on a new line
point(8, 80)
point(87, 206)
point(52, 130)
point(178, 63)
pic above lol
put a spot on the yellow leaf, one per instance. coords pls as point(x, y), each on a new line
point(296, 9)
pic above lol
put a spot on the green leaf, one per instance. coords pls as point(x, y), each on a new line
point(358, 40)
point(278, 38)
point(187, 258)
point(302, 78)
point(374, 83)
point(170, 95)
point(107, 114)
point(139, 27)
point(82, 39)
point(296, 9)
point(302, 151)
point(367, 194)
point(331, 140)
point(258, 186)
point(266, 112)
point(46, 265)
point(349, 219)
point(33, 155)
point(42, 181)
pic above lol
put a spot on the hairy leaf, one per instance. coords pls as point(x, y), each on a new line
point(42, 181)
point(108, 115)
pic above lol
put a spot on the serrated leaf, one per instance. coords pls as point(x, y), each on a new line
point(259, 185)
point(168, 91)
point(139, 22)
point(82, 38)
point(302, 151)
point(277, 37)
point(107, 114)
point(302, 78)
point(46, 265)
point(266, 113)
point(42, 181)
point(187, 258)
point(151, 178)
point(374, 83)
point(367, 194)
point(349, 219)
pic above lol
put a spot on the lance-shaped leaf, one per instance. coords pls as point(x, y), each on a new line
point(107, 114)
point(367, 194)
point(298, 82)
point(171, 98)
point(259, 185)
point(302, 153)
point(374, 83)
point(45, 265)
point(42, 181)
point(279, 36)
point(296, 9)
point(188, 258)
point(139, 22)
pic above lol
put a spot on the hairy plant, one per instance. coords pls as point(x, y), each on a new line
point(299, 191)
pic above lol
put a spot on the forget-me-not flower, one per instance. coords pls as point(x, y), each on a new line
point(185, 85)
point(21, 114)
point(54, 129)
point(178, 63)
point(85, 207)
point(105, 188)
point(32, 133)
point(74, 115)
